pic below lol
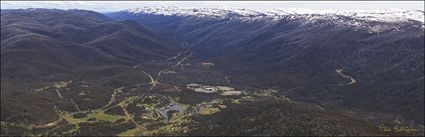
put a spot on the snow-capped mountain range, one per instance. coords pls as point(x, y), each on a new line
point(374, 21)
point(381, 15)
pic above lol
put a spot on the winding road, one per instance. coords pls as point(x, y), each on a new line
point(174, 57)
point(227, 79)
point(154, 82)
point(352, 80)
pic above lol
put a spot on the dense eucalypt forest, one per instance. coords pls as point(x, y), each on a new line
point(210, 71)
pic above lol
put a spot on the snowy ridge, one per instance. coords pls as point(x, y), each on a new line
point(390, 19)
point(381, 15)
point(200, 12)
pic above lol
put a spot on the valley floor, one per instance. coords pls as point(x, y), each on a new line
point(166, 104)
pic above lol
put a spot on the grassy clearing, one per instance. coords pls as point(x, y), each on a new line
point(208, 111)
point(41, 89)
point(74, 121)
point(130, 132)
point(222, 106)
point(100, 115)
point(236, 101)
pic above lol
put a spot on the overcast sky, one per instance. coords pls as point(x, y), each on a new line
point(107, 6)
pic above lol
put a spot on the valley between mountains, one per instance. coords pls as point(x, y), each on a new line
point(176, 71)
